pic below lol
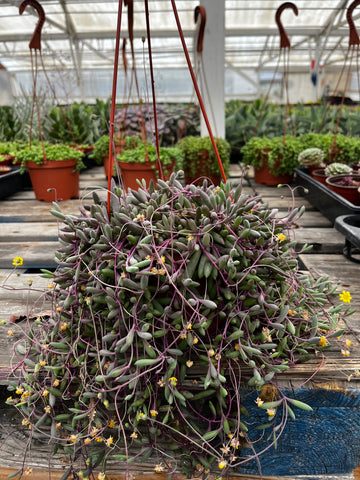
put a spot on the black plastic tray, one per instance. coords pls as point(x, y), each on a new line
point(13, 182)
point(329, 203)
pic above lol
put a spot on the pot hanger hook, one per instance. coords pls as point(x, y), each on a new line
point(200, 10)
point(353, 35)
point(284, 39)
point(130, 7)
point(35, 41)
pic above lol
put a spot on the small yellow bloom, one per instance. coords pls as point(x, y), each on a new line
point(25, 395)
point(10, 333)
point(51, 286)
point(183, 336)
point(271, 411)
point(101, 476)
point(347, 342)
point(305, 315)
point(259, 402)
point(109, 441)
point(153, 413)
point(159, 468)
point(25, 422)
point(73, 438)
point(45, 393)
point(323, 342)
point(17, 261)
point(281, 237)
point(211, 352)
point(111, 424)
point(173, 381)
point(106, 403)
point(195, 340)
point(235, 443)
point(189, 326)
point(345, 296)
point(161, 271)
point(216, 190)
point(28, 472)
point(161, 382)
point(87, 441)
point(58, 425)
point(42, 363)
point(292, 313)
point(141, 416)
point(19, 391)
point(189, 363)
point(154, 270)
point(140, 217)
point(30, 281)
point(190, 238)
point(345, 353)
point(222, 464)
point(47, 409)
point(63, 326)
point(59, 309)
point(134, 435)
point(56, 382)
point(162, 259)
point(98, 439)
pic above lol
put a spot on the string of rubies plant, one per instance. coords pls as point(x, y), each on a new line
point(160, 314)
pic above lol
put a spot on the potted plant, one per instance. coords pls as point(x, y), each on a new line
point(200, 159)
point(162, 308)
point(347, 185)
point(273, 159)
point(142, 163)
point(54, 176)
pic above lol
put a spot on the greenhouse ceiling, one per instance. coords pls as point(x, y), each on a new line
point(79, 37)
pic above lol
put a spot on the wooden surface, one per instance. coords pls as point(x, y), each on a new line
point(28, 230)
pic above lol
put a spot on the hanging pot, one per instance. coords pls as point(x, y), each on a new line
point(202, 170)
point(130, 172)
point(54, 180)
point(338, 184)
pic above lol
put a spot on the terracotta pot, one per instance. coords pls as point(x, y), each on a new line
point(130, 172)
point(319, 175)
point(202, 172)
point(349, 192)
point(264, 176)
point(60, 177)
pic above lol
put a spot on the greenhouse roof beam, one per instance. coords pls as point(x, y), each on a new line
point(73, 41)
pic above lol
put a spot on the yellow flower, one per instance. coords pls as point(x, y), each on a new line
point(30, 281)
point(216, 190)
point(345, 353)
point(111, 424)
point(161, 382)
point(190, 238)
point(161, 271)
point(17, 261)
point(153, 413)
point(25, 422)
point(106, 403)
point(47, 409)
point(222, 464)
point(211, 352)
point(28, 472)
point(134, 435)
point(63, 326)
point(87, 441)
point(159, 468)
point(235, 443)
point(292, 313)
point(271, 412)
point(42, 363)
point(162, 259)
point(109, 441)
point(189, 326)
point(19, 391)
point(305, 315)
point(10, 333)
point(154, 270)
point(140, 217)
point(259, 402)
point(73, 438)
point(173, 381)
point(323, 342)
point(58, 425)
point(348, 342)
point(345, 296)
point(195, 340)
point(56, 382)
point(101, 476)
point(141, 416)
point(98, 439)
point(281, 237)
point(45, 393)
point(189, 363)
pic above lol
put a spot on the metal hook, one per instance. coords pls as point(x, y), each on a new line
point(35, 41)
point(353, 35)
point(130, 7)
point(284, 39)
point(200, 10)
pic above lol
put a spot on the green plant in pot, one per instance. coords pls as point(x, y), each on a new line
point(101, 147)
point(338, 169)
point(142, 162)
point(273, 159)
point(163, 309)
point(200, 159)
point(53, 169)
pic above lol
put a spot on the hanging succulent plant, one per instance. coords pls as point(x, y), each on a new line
point(162, 311)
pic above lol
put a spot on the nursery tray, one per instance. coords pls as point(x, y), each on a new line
point(349, 226)
point(329, 203)
point(13, 182)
